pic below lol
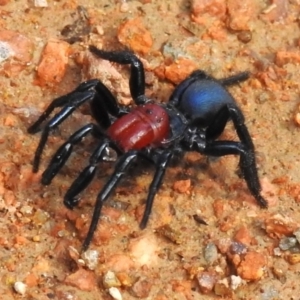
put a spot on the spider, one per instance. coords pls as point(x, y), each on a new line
point(195, 116)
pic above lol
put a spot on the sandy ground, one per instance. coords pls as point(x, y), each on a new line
point(243, 252)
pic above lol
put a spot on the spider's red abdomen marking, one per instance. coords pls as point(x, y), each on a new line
point(143, 126)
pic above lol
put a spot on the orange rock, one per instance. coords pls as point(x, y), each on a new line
point(252, 266)
point(278, 226)
point(241, 13)
point(219, 208)
point(53, 63)
point(82, 279)
point(4, 2)
point(243, 236)
point(22, 47)
point(20, 240)
point(284, 57)
point(41, 266)
point(119, 263)
point(228, 223)
point(134, 35)
point(179, 70)
point(31, 280)
point(111, 213)
point(141, 288)
point(182, 286)
point(269, 192)
point(182, 186)
point(215, 8)
point(143, 250)
point(276, 11)
point(293, 190)
point(18, 47)
point(102, 234)
point(217, 32)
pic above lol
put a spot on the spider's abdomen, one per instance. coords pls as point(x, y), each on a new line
point(143, 126)
point(203, 99)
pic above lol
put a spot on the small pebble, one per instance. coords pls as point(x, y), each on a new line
point(124, 7)
point(5, 51)
point(110, 280)
point(287, 243)
point(40, 3)
point(211, 253)
point(297, 232)
point(277, 251)
point(36, 238)
point(294, 258)
point(91, 258)
point(238, 248)
point(115, 293)
point(206, 281)
point(236, 281)
point(245, 36)
point(20, 287)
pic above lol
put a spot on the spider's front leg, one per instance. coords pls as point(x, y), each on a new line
point(103, 106)
point(73, 101)
point(137, 76)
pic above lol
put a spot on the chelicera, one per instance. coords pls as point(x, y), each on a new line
point(192, 120)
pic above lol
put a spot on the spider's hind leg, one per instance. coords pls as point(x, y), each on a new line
point(234, 79)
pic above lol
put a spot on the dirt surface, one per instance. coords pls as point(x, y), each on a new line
point(207, 238)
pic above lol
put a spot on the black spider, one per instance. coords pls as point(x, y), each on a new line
point(192, 120)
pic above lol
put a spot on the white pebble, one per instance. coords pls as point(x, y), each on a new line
point(236, 281)
point(91, 258)
point(115, 293)
point(20, 287)
point(124, 7)
point(5, 51)
point(40, 3)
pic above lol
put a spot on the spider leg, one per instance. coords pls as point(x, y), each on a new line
point(230, 111)
point(103, 104)
point(234, 79)
point(218, 124)
point(62, 154)
point(137, 77)
point(59, 102)
point(245, 148)
point(103, 101)
point(74, 100)
point(247, 164)
point(86, 176)
point(239, 123)
point(162, 163)
point(121, 167)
